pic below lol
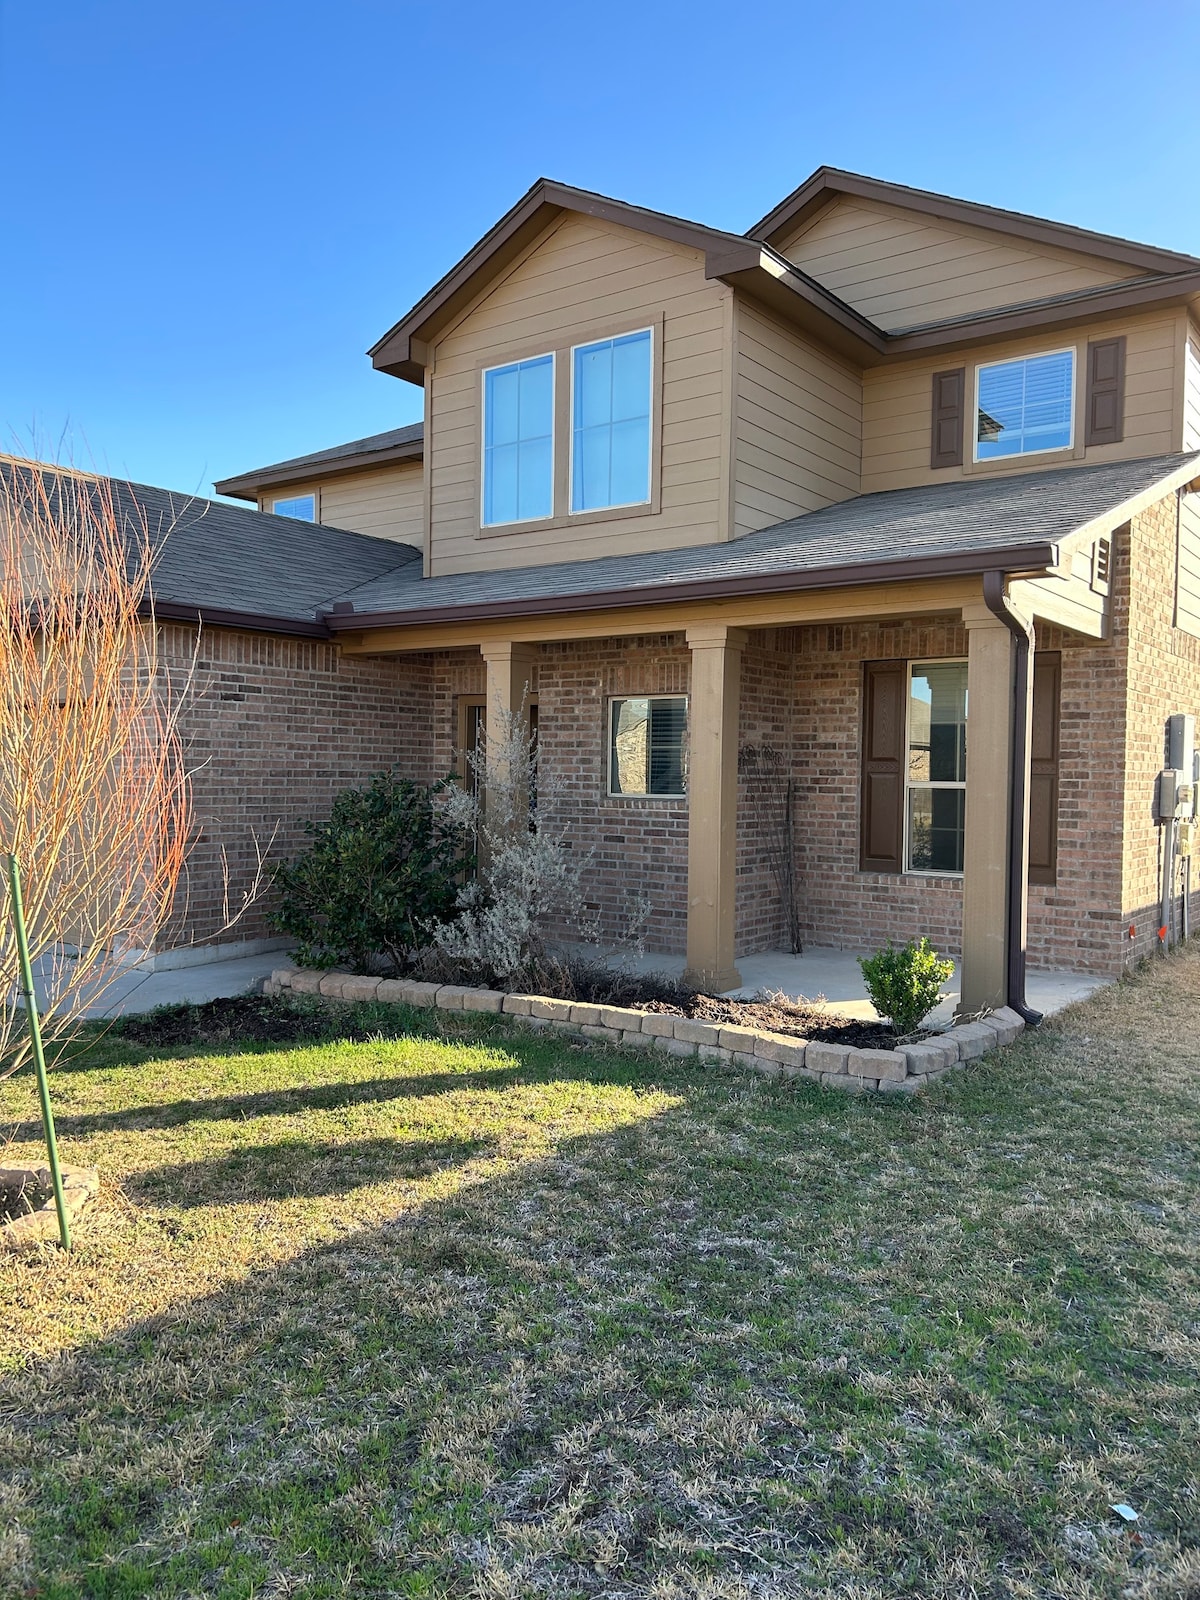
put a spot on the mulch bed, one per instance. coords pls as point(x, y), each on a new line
point(802, 1018)
point(255, 1019)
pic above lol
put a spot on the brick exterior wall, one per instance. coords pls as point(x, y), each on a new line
point(278, 726)
point(273, 728)
point(1163, 676)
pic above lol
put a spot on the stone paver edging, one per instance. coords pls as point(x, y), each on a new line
point(39, 1221)
point(904, 1070)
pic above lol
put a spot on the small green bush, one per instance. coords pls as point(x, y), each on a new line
point(905, 983)
point(378, 876)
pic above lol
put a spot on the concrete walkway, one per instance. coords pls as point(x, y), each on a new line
point(818, 974)
point(137, 989)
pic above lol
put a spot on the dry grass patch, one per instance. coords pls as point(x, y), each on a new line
point(475, 1313)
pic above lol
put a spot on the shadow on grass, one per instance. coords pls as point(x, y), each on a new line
point(689, 1354)
point(285, 1102)
point(297, 1168)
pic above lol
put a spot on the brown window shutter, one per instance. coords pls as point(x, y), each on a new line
point(1043, 776)
point(946, 438)
point(882, 822)
point(1105, 411)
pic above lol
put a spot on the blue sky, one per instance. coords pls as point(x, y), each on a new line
point(211, 209)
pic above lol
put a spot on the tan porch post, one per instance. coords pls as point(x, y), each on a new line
point(510, 672)
point(712, 802)
point(991, 708)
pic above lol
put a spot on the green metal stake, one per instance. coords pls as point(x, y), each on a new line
point(39, 1055)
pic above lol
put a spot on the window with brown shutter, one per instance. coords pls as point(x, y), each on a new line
point(946, 434)
point(1043, 765)
point(881, 846)
point(1105, 411)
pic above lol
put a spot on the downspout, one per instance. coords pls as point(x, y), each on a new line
point(996, 600)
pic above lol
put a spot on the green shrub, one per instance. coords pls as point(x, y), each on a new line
point(905, 983)
point(378, 876)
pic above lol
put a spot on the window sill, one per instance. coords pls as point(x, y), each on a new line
point(574, 519)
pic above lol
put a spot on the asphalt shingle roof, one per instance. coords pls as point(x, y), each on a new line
point(223, 558)
point(216, 557)
point(964, 517)
point(373, 444)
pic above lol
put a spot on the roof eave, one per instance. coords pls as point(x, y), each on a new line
point(221, 617)
point(248, 485)
point(1016, 560)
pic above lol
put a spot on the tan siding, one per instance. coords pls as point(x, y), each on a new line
point(896, 402)
point(585, 277)
point(798, 428)
point(902, 269)
point(1187, 593)
point(1191, 391)
point(386, 501)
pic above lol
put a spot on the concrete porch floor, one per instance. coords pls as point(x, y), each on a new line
point(834, 976)
point(831, 975)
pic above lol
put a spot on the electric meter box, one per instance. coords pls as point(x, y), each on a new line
point(1181, 744)
point(1166, 794)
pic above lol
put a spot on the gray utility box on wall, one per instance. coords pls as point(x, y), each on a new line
point(1181, 744)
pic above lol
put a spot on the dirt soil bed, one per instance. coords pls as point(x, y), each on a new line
point(254, 1019)
point(803, 1018)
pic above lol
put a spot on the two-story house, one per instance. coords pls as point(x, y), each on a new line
point(894, 485)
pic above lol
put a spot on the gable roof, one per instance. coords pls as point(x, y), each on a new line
point(359, 455)
point(403, 349)
point(826, 183)
point(1011, 524)
point(752, 263)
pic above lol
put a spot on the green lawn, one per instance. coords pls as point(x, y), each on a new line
point(470, 1312)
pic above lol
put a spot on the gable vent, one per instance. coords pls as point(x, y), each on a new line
point(1101, 563)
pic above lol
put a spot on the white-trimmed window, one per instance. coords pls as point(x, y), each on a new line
point(518, 442)
point(301, 506)
point(935, 776)
point(1026, 406)
point(646, 735)
point(611, 423)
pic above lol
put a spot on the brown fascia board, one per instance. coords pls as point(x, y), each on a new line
point(828, 182)
point(761, 272)
point(219, 617)
point(402, 350)
point(1016, 561)
point(248, 485)
point(1063, 311)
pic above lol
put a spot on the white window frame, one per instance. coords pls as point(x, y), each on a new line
point(928, 661)
point(498, 366)
point(1023, 455)
point(623, 794)
point(282, 499)
point(619, 505)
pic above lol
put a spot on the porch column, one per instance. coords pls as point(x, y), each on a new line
point(989, 832)
point(712, 802)
point(510, 670)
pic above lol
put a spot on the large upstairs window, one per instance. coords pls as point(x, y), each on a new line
point(1025, 406)
point(610, 422)
point(518, 441)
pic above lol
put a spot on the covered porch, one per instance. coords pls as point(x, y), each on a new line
point(776, 639)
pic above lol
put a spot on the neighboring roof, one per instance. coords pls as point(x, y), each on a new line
point(1011, 524)
point(360, 455)
point(828, 182)
point(226, 565)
